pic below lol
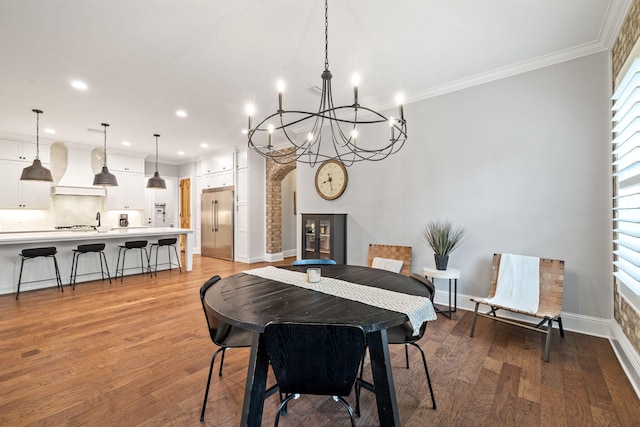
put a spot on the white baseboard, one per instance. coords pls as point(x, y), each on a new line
point(290, 252)
point(571, 322)
point(273, 257)
point(627, 355)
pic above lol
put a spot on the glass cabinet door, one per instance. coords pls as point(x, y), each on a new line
point(310, 238)
point(324, 237)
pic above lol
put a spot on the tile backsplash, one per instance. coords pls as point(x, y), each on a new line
point(65, 210)
point(70, 210)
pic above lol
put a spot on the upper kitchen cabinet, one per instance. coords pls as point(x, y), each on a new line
point(242, 159)
point(217, 180)
point(129, 194)
point(22, 151)
point(216, 172)
point(125, 163)
point(216, 164)
point(16, 194)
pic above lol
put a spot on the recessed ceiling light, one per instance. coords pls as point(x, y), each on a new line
point(49, 130)
point(204, 145)
point(181, 113)
point(126, 143)
point(181, 153)
point(244, 131)
point(79, 84)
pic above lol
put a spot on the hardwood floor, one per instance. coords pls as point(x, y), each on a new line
point(137, 353)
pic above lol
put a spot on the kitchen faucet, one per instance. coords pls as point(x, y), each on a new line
point(98, 218)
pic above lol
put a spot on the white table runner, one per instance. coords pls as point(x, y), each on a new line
point(418, 309)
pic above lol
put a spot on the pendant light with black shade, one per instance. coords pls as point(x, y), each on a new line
point(156, 181)
point(105, 178)
point(36, 172)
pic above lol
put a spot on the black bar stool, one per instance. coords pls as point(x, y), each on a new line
point(170, 242)
point(35, 253)
point(134, 244)
point(85, 249)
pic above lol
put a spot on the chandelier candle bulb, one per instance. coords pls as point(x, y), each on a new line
point(250, 111)
point(392, 124)
point(270, 135)
point(355, 80)
point(280, 90)
point(400, 101)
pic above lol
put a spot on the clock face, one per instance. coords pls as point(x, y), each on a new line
point(331, 179)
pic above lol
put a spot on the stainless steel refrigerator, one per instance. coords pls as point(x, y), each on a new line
point(217, 222)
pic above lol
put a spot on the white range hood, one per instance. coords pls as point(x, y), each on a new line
point(77, 178)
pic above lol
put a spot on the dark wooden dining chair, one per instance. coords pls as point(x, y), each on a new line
point(317, 359)
point(222, 334)
point(402, 334)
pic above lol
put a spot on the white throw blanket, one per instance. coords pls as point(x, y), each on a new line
point(394, 265)
point(518, 283)
point(418, 309)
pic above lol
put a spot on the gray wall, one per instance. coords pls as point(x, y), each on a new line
point(163, 169)
point(522, 163)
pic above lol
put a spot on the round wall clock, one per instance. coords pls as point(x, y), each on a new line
point(331, 179)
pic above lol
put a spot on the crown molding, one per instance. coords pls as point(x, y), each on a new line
point(616, 13)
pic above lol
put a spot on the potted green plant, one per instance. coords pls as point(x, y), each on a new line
point(443, 238)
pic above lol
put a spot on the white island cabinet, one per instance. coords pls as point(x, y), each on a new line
point(16, 194)
point(38, 272)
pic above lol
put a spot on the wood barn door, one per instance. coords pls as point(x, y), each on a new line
point(185, 208)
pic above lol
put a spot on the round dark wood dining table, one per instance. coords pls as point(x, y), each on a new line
point(250, 302)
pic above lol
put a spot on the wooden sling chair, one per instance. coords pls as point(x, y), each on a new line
point(550, 300)
point(390, 252)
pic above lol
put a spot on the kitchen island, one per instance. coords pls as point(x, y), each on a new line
point(39, 273)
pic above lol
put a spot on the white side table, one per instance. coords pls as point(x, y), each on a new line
point(450, 274)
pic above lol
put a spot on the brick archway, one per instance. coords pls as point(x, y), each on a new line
point(275, 173)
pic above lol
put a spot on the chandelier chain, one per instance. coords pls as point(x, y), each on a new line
point(37, 133)
point(326, 35)
point(104, 155)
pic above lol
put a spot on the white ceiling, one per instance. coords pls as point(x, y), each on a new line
point(145, 59)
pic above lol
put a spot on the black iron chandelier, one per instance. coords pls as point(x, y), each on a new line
point(339, 124)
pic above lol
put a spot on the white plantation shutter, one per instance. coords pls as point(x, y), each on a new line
point(626, 170)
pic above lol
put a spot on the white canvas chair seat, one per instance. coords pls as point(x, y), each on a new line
point(550, 300)
point(391, 252)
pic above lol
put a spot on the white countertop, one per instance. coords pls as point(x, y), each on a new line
point(10, 238)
